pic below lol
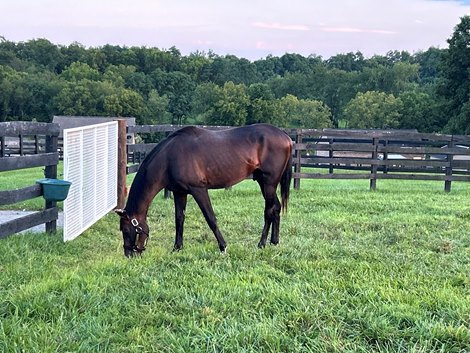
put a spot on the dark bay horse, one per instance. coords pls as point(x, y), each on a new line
point(193, 160)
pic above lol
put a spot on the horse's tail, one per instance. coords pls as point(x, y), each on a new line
point(285, 183)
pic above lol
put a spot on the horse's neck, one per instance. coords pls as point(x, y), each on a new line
point(140, 197)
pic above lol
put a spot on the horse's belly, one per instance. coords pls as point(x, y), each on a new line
point(215, 179)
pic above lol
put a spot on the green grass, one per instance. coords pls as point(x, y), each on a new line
point(356, 271)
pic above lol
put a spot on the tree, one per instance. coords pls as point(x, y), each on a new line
point(456, 72)
point(124, 102)
point(373, 110)
point(420, 111)
point(80, 71)
point(84, 97)
point(304, 113)
point(156, 111)
point(75, 52)
point(262, 107)
point(178, 87)
point(347, 62)
point(42, 53)
point(204, 99)
point(231, 108)
point(429, 64)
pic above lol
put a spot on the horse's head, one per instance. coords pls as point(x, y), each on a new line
point(134, 232)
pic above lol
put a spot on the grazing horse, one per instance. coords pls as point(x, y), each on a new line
point(193, 160)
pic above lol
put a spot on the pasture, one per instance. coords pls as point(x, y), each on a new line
point(355, 271)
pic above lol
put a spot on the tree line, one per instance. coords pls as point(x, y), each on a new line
point(427, 90)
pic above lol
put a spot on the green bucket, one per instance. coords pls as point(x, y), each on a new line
point(54, 189)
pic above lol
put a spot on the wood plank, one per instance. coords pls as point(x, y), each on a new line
point(381, 134)
point(30, 161)
point(331, 176)
point(416, 163)
point(335, 146)
point(340, 160)
point(460, 164)
point(141, 147)
point(19, 224)
point(133, 168)
point(424, 150)
point(13, 196)
point(16, 128)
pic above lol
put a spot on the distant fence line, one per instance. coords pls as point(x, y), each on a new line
point(356, 154)
point(28, 145)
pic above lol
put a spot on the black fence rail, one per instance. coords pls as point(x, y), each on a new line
point(373, 155)
point(28, 145)
point(357, 154)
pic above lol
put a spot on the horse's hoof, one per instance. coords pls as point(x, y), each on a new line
point(274, 242)
point(177, 248)
point(223, 249)
point(261, 245)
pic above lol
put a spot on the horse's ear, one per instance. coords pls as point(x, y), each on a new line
point(122, 213)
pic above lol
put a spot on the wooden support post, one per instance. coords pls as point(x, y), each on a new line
point(51, 172)
point(21, 145)
point(2, 146)
point(450, 159)
point(330, 155)
point(385, 167)
point(373, 169)
point(122, 163)
point(36, 144)
point(297, 162)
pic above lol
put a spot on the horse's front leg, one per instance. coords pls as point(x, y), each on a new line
point(201, 195)
point(180, 208)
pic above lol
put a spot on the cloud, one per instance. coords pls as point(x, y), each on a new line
point(279, 26)
point(202, 42)
point(356, 30)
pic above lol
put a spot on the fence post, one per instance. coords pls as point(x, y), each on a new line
point(122, 163)
point(297, 162)
point(51, 172)
point(373, 169)
point(330, 155)
point(450, 159)
point(385, 154)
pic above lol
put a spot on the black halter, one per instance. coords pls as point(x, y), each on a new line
point(139, 231)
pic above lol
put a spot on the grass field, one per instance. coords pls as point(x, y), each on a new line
point(356, 271)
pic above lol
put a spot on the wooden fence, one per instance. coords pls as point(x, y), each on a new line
point(357, 154)
point(376, 154)
point(28, 145)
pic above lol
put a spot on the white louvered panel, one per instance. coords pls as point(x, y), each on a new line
point(112, 167)
point(72, 172)
point(90, 163)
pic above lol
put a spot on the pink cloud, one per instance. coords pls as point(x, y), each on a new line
point(279, 26)
point(356, 30)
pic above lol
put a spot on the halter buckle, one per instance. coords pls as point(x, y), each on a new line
point(134, 222)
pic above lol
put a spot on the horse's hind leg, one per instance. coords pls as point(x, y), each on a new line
point(201, 196)
point(272, 210)
point(180, 200)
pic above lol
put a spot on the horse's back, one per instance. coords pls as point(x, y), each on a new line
point(221, 158)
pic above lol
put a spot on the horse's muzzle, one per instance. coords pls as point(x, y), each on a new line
point(129, 252)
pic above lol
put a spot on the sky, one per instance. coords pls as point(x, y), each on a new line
point(250, 29)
